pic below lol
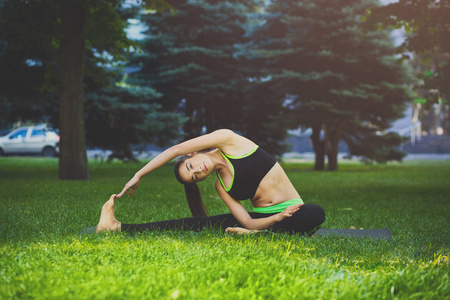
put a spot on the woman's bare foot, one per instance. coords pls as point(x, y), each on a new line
point(107, 220)
point(240, 230)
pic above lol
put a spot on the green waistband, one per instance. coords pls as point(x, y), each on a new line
point(278, 207)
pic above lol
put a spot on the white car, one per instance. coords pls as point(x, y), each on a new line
point(33, 139)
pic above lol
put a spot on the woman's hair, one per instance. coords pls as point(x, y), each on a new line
point(193, 195)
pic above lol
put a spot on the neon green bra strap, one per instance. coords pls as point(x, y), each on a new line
point(226, 156)
point(278, 207)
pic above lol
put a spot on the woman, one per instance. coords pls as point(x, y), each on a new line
point(244, 171)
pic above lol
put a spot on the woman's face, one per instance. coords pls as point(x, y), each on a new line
point(196, 168)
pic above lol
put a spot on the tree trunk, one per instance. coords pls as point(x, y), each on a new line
point(332, 138)
point(72, 159)
point(193, 127)
point(319, 148)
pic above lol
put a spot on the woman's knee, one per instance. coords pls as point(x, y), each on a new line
point(315, 212)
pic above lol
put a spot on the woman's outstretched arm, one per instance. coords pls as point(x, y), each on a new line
point(243, 217)
point(222, 138)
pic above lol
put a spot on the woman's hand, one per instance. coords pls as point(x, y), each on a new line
point(288, 212)
point(132, 184)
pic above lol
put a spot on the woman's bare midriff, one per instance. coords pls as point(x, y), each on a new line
point(274, 188)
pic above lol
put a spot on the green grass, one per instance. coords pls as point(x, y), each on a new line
point(43, 255)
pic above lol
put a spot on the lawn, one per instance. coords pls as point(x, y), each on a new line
point(44, 255)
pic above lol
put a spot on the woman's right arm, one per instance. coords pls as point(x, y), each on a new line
point(221, 138)
point(244, 218)
point(154, 164)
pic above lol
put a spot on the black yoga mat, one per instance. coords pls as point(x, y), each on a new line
point(383, 233)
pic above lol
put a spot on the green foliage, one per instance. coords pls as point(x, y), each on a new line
point(375, 147)
point(264, 118)
point(189, 58)
point(426, 24)
point(22, 60)
point(43, 254)
point(123, 116)
point(334, 77)
point(32, 31)
point(156, 5)
point(433, 71)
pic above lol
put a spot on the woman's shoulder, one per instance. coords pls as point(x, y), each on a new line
point(236, 144)
point(227, 133)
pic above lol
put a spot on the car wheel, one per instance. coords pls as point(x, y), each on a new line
point(1, 152)
point(49, 152)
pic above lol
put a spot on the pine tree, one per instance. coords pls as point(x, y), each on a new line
point(426, 24)
point(338, 80)
point(189, 58)
point(124, 116)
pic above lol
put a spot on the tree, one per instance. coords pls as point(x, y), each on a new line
point(264, 118)
point(189, 58)
point(21, 79)
point(432, 91)
point(194, 59)
point(337, 80)
point(57, 33)
point(123, 116)
point(265, 115)
point(426, 24)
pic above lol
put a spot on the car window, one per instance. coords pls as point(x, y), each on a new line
point(37, 132)
point(18, 134)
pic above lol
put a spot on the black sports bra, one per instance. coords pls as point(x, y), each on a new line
point(248, 171)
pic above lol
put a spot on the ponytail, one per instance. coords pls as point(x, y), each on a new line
point(193, 195)
point(194, 199)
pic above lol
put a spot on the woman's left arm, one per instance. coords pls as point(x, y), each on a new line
point(244, 218)
point(221, 138)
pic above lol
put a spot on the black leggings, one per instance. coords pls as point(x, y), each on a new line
point(305, 221)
